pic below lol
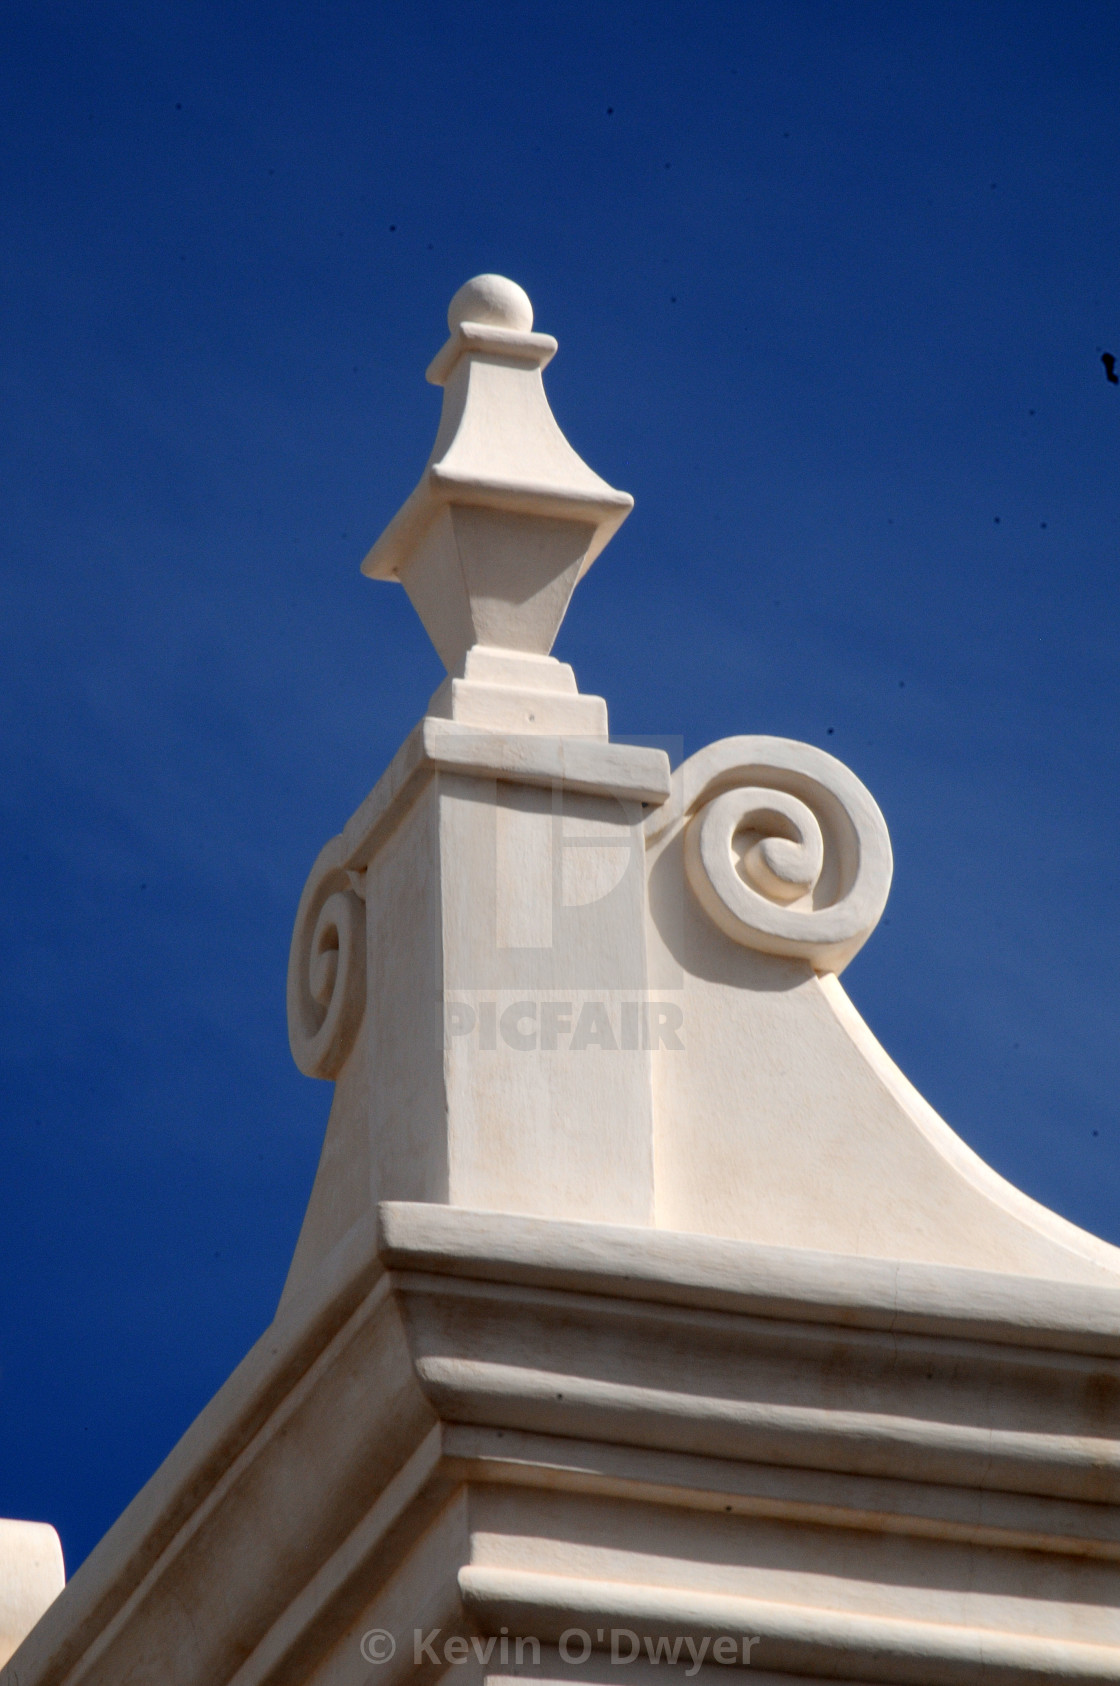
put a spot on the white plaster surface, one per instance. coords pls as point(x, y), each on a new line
point(506, 517)
point(475, 1422)
point(780, 1118)
point(638, 1292)
point(31, 1578)
point(554, 1016)
point(590, 991)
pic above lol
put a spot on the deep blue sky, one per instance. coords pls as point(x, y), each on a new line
point(831, 284)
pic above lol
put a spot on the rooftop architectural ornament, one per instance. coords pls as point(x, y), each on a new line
point(642, 1310)
point(506, 518)
point(593, 989)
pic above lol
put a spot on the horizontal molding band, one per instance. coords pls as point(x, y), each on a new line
point(780, 1282)
point(585, 765)
point(795, 1638)
point(464, 1389)
point(814, 1498)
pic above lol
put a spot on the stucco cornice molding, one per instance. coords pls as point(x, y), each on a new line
point(456, 1353)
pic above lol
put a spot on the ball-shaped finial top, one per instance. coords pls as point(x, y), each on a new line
point(493, 301)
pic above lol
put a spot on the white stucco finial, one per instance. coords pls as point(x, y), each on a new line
point(506, 517)
point(494, 301)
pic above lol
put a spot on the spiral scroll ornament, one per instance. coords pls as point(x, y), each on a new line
point(327, 967)
point(784, 848)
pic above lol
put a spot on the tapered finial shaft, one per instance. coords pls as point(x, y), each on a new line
point(506, 517)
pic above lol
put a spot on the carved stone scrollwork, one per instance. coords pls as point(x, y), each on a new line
point(784, 848)
point(327, 967)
